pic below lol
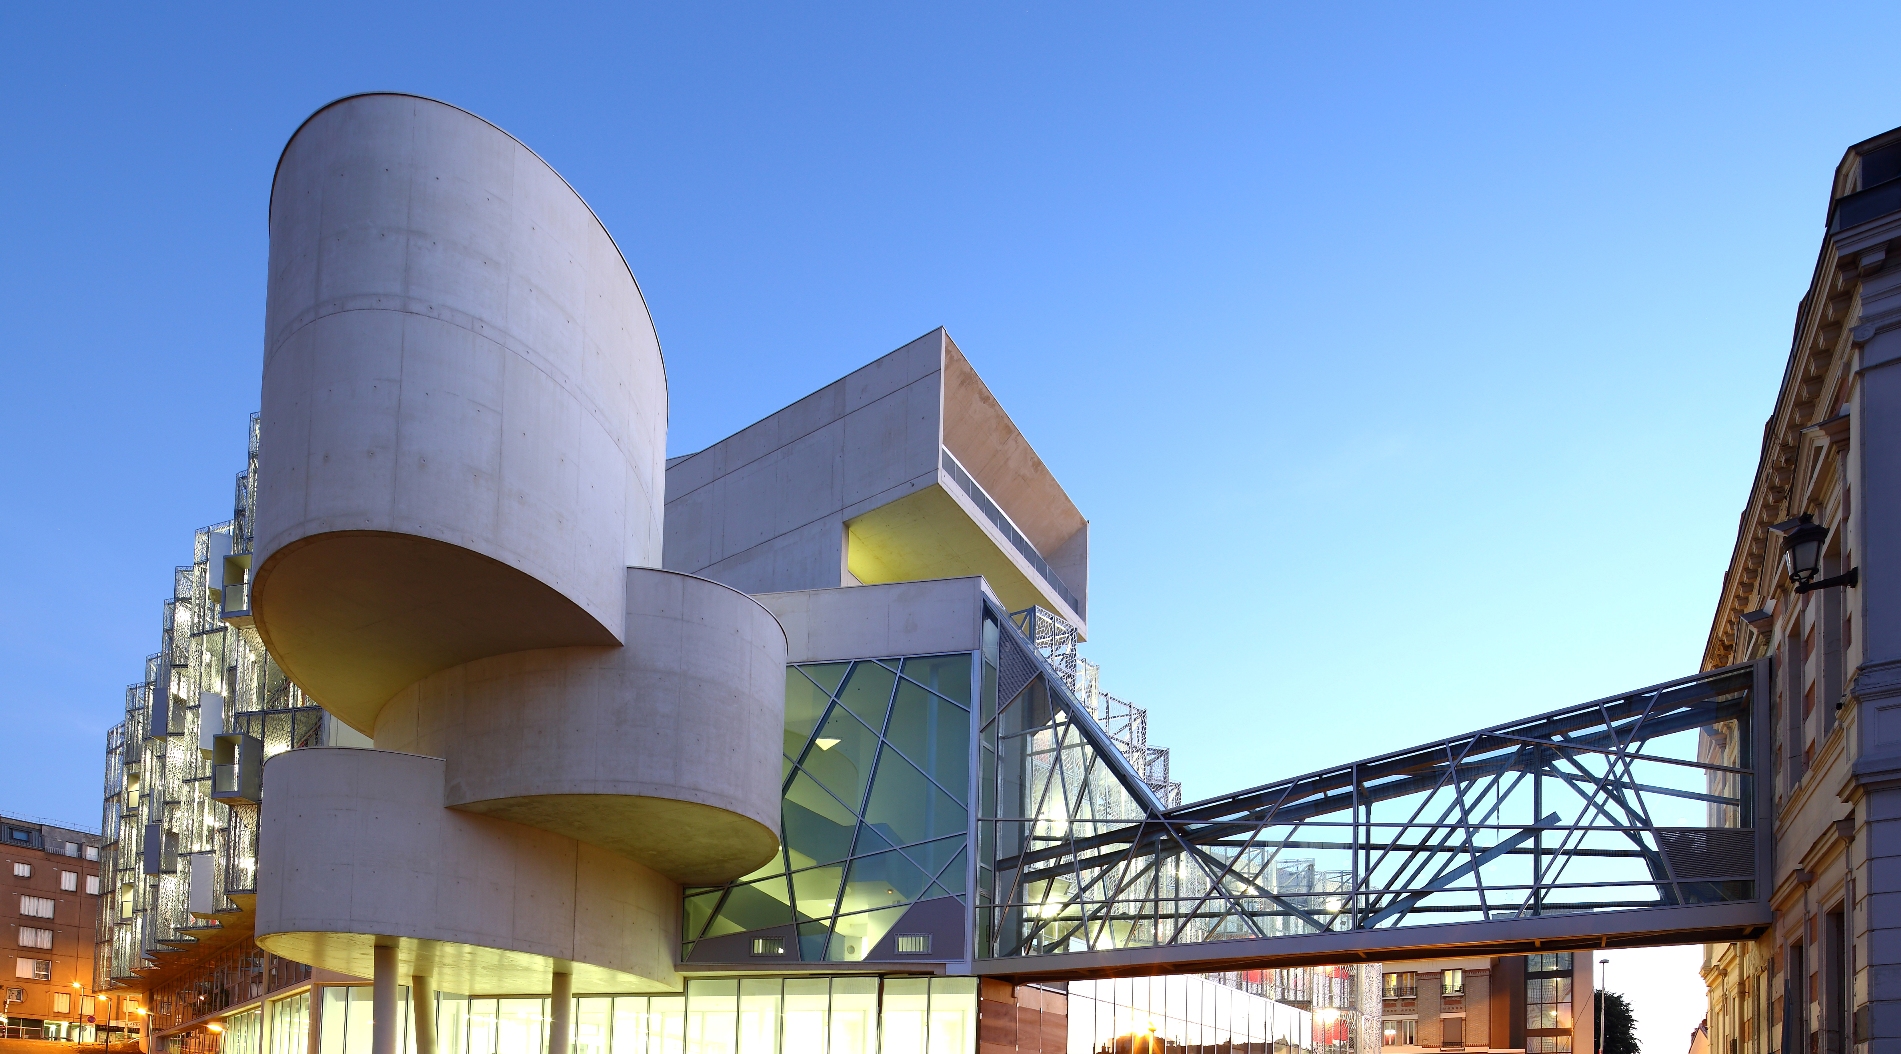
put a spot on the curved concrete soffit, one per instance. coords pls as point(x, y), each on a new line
point(314, 114)
point(355, 850)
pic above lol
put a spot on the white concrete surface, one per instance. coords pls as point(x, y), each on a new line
point(463, 399)
point(356, 850)
point(904, 618)
point(665, 750)
point(767, 509)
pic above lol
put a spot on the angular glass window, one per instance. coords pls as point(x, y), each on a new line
point(867, 692)
point(841, 756)
point(881, 881)
point(805, 703)
point(932, 856)
point(754, 907)
point(934, 734)
point(947, 675)
point(909, 806)
point(817, 891)
point(812, 939)
point(826, 674)
point(817, 828)
point(858, 934)
point(951, 879)
point(698, 910)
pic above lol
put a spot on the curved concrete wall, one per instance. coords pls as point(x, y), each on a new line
point(355, 849)
point(464, 406)
point(665, 750)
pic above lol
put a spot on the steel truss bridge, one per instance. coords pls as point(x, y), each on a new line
point(1636, 819)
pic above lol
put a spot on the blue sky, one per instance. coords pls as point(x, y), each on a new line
point(1410, 364)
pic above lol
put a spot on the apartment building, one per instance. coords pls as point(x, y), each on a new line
point(51, 877)
point(1537, 1004)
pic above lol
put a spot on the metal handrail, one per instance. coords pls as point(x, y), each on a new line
point(1001, 520)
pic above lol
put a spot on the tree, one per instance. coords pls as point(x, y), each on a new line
point(1620, 1025)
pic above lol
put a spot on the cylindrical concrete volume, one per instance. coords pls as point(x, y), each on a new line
point(464, 406)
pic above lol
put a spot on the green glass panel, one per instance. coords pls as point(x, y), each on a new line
point(698, 910)
point(871, 840)
point(812, 937)
point(805, 703)
point(932, 733)
point(817, 890)
point(818, 829)
point(951, 879)
point(858, 934)
point(908, 808)
point(932, 856)
point(868, 692)
point(826, 674)
point(947, 675)
point(774, 866)
point(841, 756)
point(753, 907)
point(881, 881)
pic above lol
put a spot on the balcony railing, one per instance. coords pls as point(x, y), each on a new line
point(1001, 520)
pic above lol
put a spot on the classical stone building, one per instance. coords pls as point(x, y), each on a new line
point(1826, 977)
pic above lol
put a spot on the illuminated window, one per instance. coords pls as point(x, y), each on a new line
point(1400, 985)
point(62, 1002)
point(1452, 982)
point(36, 907)
point(1399, 1032)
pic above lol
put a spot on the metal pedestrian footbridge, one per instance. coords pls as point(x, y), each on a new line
point(1626, 821)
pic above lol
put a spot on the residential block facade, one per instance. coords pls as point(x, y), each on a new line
point(51, 879)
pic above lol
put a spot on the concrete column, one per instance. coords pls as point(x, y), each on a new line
point(422, 1004)
point(383, 1002)
point(560, 1012)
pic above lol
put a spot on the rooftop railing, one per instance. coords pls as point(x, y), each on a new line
point(1001, 520)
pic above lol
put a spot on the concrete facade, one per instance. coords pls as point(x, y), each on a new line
point(360, 854)
point(460, 498)
point(464, 406)
point(851, 485)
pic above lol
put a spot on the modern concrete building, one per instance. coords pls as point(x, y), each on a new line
point(1813, 602)
point(51, 881)
point(780, 747)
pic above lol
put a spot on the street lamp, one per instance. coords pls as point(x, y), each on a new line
point(1603, 1004)
point(1802, 541)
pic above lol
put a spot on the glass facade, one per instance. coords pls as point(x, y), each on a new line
point(875, 815)
point(1186, 1014)
point(769, 1015)
point(1548, 1003)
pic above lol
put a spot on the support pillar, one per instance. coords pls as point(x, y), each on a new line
point(422, 1004)
point(383, 1001)
point(560, 1012)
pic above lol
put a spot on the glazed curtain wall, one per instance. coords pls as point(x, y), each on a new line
point(1181, 1015)
point(772, 1015)
point(875, 815)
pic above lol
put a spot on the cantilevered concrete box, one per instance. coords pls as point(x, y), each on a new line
point(905, 470)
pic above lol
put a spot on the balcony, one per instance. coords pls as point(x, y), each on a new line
point(1008, 528)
